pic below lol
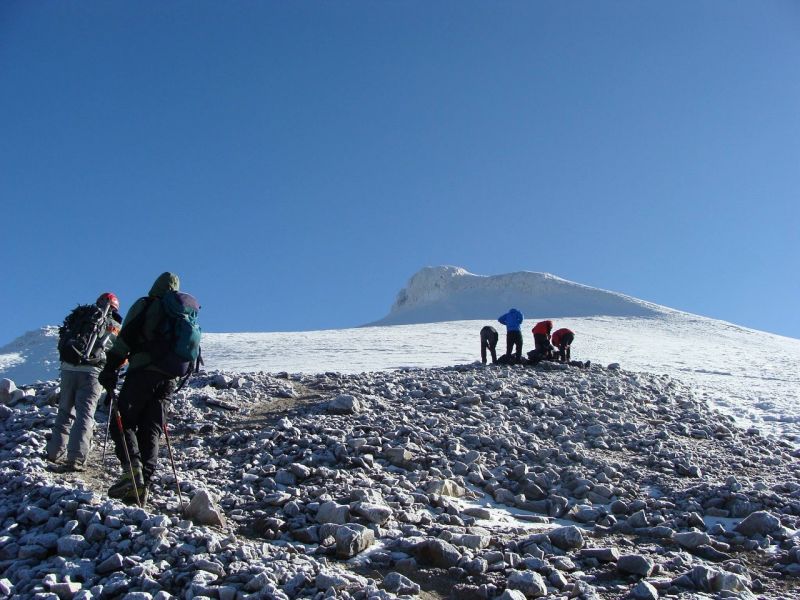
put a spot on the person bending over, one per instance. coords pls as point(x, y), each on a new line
point(562, 339)
point(541, 337)
point(489, 337)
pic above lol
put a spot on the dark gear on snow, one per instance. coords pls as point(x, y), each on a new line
point(543, 348)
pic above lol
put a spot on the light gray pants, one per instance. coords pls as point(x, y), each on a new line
point(74, 425)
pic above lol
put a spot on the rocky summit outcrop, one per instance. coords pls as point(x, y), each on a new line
point(463, 482)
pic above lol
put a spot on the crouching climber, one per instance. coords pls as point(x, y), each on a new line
point(541, 338)
point(562, 339)
point(489, 337)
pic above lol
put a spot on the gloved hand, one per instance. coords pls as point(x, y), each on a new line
point(108, 378)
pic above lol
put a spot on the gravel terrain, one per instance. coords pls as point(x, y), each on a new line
point(463, 482)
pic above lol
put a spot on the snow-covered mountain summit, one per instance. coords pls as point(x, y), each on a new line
point(449, 293)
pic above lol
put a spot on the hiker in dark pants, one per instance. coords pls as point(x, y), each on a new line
point(145, 392)
point(562, 339)
point(513, 322)
point(541, 337)
point(489, 337)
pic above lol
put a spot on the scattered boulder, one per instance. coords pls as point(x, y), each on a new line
point(331, 512)
point(445, 487)
point(566, 538)
point(203, 510)
point(635, 564)
point(400, 584)
point(345, 404)
point(644, 591)
point(758, 523)
point(437, 553)
point(7, 387)
point(529, 583)
point(352, 539)
point(691, 539)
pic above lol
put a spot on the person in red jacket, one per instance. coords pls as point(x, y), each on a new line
point(541, 337)
point(562, 339)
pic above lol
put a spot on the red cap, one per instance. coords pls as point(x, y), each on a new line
point(108, 298)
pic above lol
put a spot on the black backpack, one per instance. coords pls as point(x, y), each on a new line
point(80, 335)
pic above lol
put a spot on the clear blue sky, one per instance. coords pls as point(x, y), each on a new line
point(296, 162)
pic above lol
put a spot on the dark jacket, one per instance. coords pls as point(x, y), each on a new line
point(137, 334)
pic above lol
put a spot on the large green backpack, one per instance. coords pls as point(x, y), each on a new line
point(175, 343)
point(182, 333)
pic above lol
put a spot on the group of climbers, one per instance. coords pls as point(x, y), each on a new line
point(159, 341)
point(548, 344)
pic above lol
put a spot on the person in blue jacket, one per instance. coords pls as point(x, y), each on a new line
point(513, 322)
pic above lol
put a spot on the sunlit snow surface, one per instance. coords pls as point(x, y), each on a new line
point(751, 375)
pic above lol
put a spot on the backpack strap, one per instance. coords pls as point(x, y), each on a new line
point(192, 370)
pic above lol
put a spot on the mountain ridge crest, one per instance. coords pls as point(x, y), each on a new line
point(451, 293)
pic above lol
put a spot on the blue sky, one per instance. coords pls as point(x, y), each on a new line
point(296, 162)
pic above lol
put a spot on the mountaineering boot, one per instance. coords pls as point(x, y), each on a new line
point(130, 496)
point(70, 466)
point(55, 459)
point(124, 484)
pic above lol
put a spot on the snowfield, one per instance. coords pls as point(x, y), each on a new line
point(751, 375)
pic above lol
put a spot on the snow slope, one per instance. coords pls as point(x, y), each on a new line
point(751, 375)
point(446, 293)
point(31, 357)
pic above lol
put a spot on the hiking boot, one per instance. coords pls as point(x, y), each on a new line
point(70, 466)
point(130, 497)
point(124, 485)
point(54, 459)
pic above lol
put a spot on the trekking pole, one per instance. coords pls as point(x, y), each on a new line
point(111, 408)
point(172, 460)
point(127, 456)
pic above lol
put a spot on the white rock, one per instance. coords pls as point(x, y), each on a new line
point(528, 582)
point(203, 510)
point(6, 387)
point(331, 512)
point(345, 404)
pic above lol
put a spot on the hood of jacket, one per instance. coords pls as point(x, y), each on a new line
point(166, 282)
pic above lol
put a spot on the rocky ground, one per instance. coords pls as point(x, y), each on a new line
point(466, 482)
